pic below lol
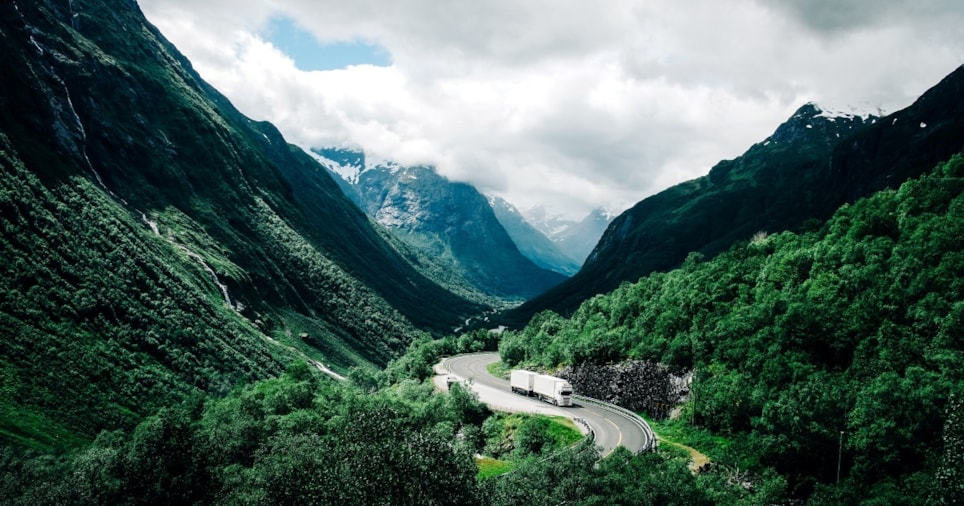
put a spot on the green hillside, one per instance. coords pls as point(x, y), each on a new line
point(156, 243)
point(174, 276)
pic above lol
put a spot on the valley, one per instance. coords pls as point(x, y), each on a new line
point(194, 310)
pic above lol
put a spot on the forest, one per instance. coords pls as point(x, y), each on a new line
point(303, 438)
point(842, 343)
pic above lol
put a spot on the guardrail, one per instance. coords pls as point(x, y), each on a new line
point(590, 434)
point(650, 444)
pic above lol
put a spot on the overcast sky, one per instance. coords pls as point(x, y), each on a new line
point(571, 104)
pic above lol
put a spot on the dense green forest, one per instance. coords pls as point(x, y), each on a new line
point(110, 325)
point(383, 438)
point(845, 341)
point(172, 272)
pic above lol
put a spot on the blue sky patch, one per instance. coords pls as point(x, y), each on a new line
point(309, 54)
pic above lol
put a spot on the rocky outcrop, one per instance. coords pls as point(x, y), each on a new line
point(635, 385)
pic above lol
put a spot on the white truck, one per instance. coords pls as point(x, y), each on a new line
point(547, 388)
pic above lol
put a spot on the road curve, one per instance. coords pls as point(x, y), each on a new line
point(613, 426)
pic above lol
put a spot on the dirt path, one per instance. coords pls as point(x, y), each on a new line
point(697, 459)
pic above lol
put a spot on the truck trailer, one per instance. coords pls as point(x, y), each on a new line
point(522, 381)
point(547, 388)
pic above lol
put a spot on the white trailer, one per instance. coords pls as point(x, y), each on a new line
point(547, 388)
point(521, 381)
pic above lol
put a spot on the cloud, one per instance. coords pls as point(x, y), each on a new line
point(566, 103)
point(834, 17)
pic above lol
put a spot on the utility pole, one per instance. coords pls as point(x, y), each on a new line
point(693, 379)
point(839, 456)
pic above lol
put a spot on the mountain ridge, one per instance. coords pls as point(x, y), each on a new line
point(793, 179)
point(532, 242)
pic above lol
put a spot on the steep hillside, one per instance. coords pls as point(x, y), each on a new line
point(157, 243)
point(451, 224)
point(811, 165)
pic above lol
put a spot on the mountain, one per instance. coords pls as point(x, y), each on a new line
point(158, 244)
point(575, 239)
point(811, 165)
point(579, 238)
point(450, 223)
point(531, 242)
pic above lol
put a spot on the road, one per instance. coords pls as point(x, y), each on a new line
point(613, 426)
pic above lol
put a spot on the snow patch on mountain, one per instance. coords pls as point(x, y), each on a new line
point(349, 164)
point(850, 113)
point(348, 168)
point(551, 224)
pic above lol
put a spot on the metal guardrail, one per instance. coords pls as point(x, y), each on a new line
point(650, 444)
point(590, 434)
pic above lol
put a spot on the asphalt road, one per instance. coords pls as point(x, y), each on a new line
point(613, 427)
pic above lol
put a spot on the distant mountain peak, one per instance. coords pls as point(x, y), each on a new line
point(450, 222)
point(813, 122)
point(349, 163)
point(849, 114)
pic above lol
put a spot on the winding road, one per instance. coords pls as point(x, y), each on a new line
point(613, 426)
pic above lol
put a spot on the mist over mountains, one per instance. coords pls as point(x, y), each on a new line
point(182, 243)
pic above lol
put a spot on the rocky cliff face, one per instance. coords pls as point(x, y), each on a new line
point(580, 239)
point(532, 243)
point(635, 385)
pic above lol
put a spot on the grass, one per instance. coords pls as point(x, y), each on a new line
point(490, 468)
point(324, 344)
point(682, 435)
point(561, 432)
point(34, 430)
point(498, 369)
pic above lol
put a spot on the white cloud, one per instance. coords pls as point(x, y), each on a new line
point(566, 103)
